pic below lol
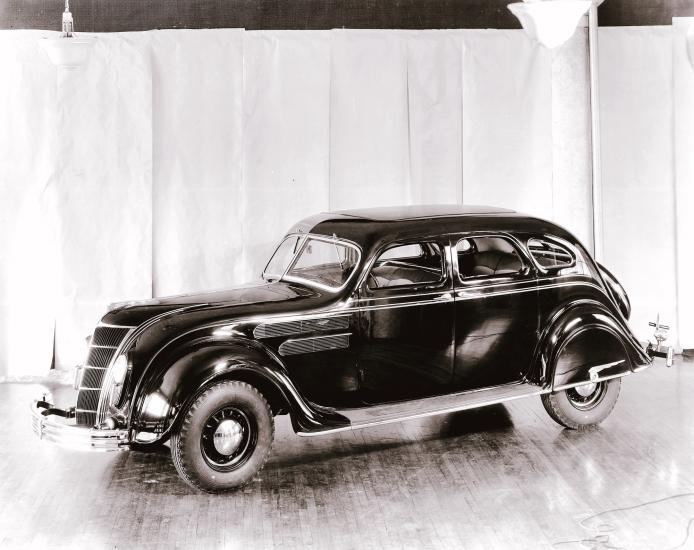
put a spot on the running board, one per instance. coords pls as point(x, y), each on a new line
point(365, 417)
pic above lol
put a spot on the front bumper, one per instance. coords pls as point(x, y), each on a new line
point(57, 426)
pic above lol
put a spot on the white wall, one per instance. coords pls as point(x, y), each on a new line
point(191, 152)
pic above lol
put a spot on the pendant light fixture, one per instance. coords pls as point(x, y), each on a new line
point(68, 50)
point(550, 22)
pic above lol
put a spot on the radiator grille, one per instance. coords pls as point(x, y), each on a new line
point(96, 367)
point(109, 336)
point(92, 377)
point(275, 330)
point(314, 344)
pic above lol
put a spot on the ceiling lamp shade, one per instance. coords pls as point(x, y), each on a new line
point(550, 22)
point(67, 51)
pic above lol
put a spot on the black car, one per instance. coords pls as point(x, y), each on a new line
point(362, 318)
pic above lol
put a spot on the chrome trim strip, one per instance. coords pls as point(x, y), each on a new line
point(593, 371)
point(93, 368)
point(396, 296)
point(101, 324)
point(601, 378)
point(100, 346)
point(466, 295)
point(85, 410)
point(89, 389)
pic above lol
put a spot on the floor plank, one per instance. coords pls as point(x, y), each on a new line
point(504, 476)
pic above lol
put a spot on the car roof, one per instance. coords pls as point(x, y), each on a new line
point(370, 227)
point(394, 213)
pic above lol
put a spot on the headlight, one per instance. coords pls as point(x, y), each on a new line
point(119, 370)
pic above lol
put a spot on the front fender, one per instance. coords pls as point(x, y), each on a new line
point(585, 342)
point(168, 387)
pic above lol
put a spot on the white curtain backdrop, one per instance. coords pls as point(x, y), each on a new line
point(286, 158)
point(636, 101)
point(683, 98)
point(174, 160)
point(197, 185)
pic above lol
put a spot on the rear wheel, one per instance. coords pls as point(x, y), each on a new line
point(225, 437)
point(585, 406)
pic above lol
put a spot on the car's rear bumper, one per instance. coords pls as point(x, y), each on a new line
point(664, 352)
point(57, 426)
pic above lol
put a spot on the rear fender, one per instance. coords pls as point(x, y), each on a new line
point(584, 343)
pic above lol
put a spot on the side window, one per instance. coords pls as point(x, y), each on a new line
point(408, 265)
point(406, 251)
point(487, 257)
point(551, 255)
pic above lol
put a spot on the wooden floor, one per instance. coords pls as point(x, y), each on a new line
point(498, 477)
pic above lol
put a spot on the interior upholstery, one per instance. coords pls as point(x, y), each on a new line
point(493, 256)
point(393, 275)
point(495, 262)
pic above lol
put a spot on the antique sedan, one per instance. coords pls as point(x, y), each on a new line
point(362, 318)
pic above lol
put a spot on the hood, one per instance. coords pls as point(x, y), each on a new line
point(257, 297)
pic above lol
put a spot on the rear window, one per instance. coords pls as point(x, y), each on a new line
point(549, 254)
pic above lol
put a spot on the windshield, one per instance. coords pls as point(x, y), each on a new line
point(319, 261)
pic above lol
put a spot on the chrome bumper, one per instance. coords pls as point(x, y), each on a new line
point(659, 350)
point(57, 426)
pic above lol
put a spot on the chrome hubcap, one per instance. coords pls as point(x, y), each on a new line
point(585, 390)
point(227, 437)
point(586, 396)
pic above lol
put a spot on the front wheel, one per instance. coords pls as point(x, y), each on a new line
point(225, 437)
point(584, 406)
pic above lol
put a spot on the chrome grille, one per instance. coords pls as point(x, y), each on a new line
point(275, 330)
point(102, 351)
point(100, 357)
point(109, 336)
point(314, 344)
point(92, 377)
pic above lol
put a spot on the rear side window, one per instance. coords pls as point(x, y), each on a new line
point(487, 257)
point(549, 254)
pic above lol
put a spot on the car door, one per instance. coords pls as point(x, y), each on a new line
point(407, 323)
point(496, 310)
